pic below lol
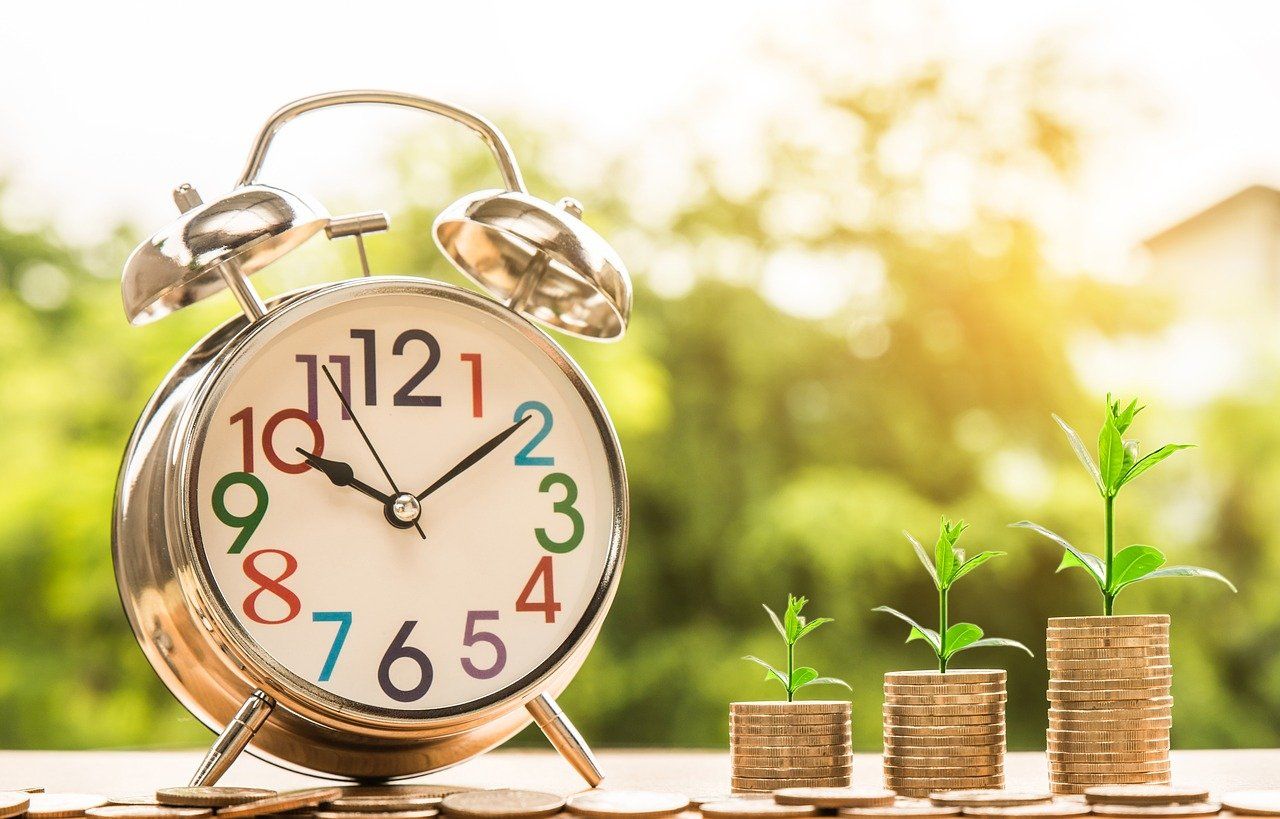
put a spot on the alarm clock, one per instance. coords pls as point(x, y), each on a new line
point(370, 529)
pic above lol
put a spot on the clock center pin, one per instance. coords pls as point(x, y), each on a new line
point(405, 508)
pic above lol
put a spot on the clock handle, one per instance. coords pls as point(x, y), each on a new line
point(565, 738)
point(233, 739)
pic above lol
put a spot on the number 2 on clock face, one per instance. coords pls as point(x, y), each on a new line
point(470, 419)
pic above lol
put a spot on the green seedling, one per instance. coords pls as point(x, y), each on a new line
point(948, 565)
point(1118, 464)
point(792, 626)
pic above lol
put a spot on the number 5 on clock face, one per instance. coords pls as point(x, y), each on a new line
point(466, 424)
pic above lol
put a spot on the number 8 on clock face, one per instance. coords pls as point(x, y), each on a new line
point(405, 500)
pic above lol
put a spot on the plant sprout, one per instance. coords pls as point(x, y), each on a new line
point(1118, 464)
point(948, 565)
point(792, 626)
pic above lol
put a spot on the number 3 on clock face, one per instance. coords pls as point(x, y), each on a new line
point(477, 430)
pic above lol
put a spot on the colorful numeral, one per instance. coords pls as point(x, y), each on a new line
point(563, 507)
point(343, 619)
point(471, 637)
point(313, 393)
point(274, 585)
point(247, 524)
point(525, 457)
point(477, 384)
point(399, 651)
point(404, 396)
point(547, 605)
point(245, 417)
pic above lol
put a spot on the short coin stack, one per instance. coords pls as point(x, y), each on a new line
point(943, 731)
point(1110, 706)
point(790, 744)
point(1142, 801)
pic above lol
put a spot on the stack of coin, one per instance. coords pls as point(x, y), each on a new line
point(790, 744)
point(943, 731)
point(1110, 708)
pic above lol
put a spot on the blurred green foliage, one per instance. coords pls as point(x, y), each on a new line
point(770, 450)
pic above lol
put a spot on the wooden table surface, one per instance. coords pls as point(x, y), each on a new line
point(120, 773)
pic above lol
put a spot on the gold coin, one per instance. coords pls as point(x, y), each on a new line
point(502, 803)
point(210, 797)
point(1165, 701)
point(696, 802)
point(772, 783)
point(282, 802)
point(1100, 757)
point(945, 689)
point(56, 805)
point(147, 812)
point(13, 803)
point(1106, 720)
point(832, 729)
point(1065, 666)
point(1091, 672)
point(749, 808)
point(1068, 777)
point(632, 804)
point(1253, 803)
point(805, 707)
point(1110, 695)
point(836, 734)
point(1112, 684)
point(942, 771)
point(1059, 641)
point(1067, 746)
point(987, 798)
point(420, 813)
point(959, 733)
point(834, 797)
point(940, 746)
point(908, 761)
point(937, 784)
point(816, 756)
point(1109, 620)
point(1134, 712)
point(1139, 811)
point(945, 699)
point(1073, 766)
point(788, 750)
point(1136, 653)
point(1146, 795)
point(1046, 810)
point(1132, 731)
point(992, 707)
point(939, 721)
point(1107, 628)
point(137, 799)
point(902, 808)
point(963, 676)
point(789, 719)
point(792, 762)
point(805, 772)
point(826, 744)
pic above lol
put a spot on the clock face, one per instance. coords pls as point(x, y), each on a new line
point(404, 498)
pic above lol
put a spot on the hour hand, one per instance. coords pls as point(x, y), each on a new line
point(341, 474)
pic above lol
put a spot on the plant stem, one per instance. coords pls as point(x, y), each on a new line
point(791, 670)
point(1108, 599)
point(942, 630)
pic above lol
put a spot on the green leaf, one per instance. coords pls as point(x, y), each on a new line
point(811, 625)
point(919, 632)
point(995, 642)
point(1130, 457)
point(960, 636)
point(776, 622)
point(1132, 562)
point(1110, 457)
point(802, 676)
point(1081, 451)
point(924, 558)
point(1124, 418)
point(771, 673)
point(1151, 459)
point(828, 681)
point(973, 563)
point(1182, 571)
point(944, 555)
point(1090, 563)
point(792, 617)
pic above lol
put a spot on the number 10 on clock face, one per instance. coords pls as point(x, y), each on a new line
point(406, 501)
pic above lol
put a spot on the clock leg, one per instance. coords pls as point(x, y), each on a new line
point(233, 739)
point(565, 738)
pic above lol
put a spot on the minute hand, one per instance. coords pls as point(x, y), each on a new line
point(471, 460)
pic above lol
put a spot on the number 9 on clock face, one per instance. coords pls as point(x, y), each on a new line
point(406, 499)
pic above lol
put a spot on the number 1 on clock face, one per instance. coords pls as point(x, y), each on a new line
point(347, 432)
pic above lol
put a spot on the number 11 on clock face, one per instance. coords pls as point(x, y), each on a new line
point(407, 502)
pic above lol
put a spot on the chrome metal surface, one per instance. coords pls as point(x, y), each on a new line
point(564, 737)
point(192, 638)
point(540, 260)
point(492, 137)
point(406, 507)
point(184, 262)
point(233, 739)
point(358, 224)
point(187, 198)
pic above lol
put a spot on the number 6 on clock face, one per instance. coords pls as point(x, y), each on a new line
point(462, 420)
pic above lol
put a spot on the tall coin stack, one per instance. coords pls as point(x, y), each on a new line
point(790, 745)
point(943, 731)
point(1110, 706)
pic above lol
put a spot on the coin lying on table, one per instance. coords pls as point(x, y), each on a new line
point(696, 802)
point(282, 802)
point(420, 813)
point(913, 809)
point(835, 797)
point(633, 804)
point(502, 803)
point(1043, 810)
point(56, 805)
point(747, 808)
point(137, 799)
point(147, 812)
point(988, 797)
point(1253, 803)
point(1144, 795)
point(1139, 811)
point(13, 803)
point(210, 797)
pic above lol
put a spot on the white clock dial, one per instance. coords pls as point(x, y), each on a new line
point(340, 573)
